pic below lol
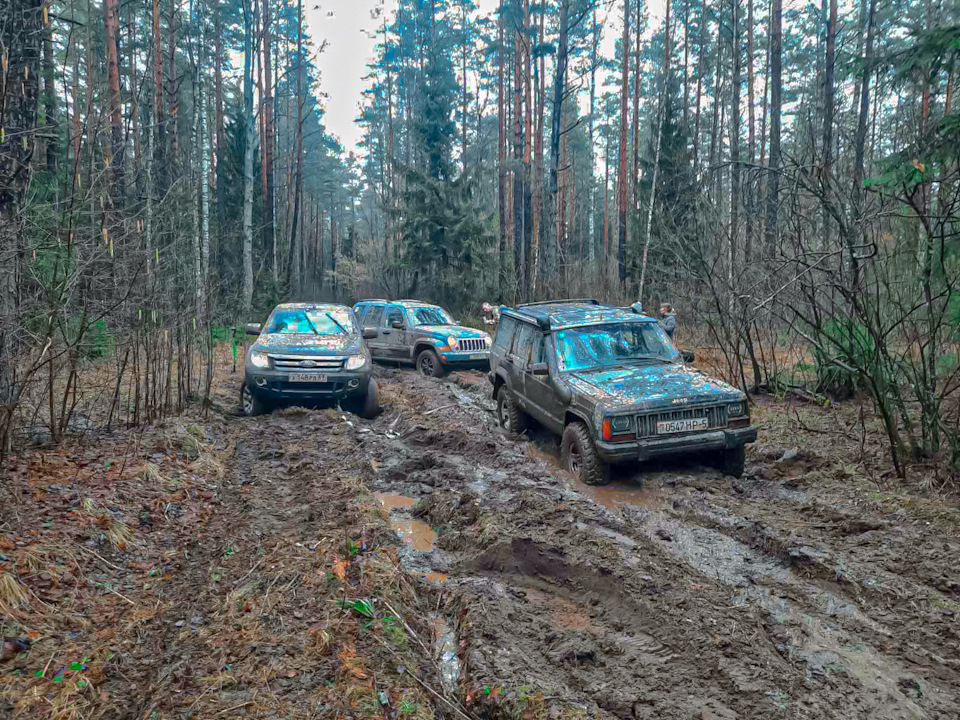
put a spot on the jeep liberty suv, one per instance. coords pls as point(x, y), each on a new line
point(308, 354)
point(410, 331)
point(612, 385)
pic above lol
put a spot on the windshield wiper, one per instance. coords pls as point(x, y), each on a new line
point(310, 323)
point(342, 328)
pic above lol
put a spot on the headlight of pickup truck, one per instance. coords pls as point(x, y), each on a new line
point(453, 343)
point(355, 362)
point(621, 423)
point(736, 409)
point(488, 341)
point(260, 359)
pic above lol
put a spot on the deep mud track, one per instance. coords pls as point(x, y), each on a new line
point(674, 593)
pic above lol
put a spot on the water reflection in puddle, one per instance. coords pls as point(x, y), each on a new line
point(415, 533)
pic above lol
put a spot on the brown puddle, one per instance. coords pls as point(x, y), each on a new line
point(610, 496)
point(415, 533)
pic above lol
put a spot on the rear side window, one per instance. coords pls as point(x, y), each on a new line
point(359, 312)
point(373, 315)
point(505, 332)
point(394, 314)
point(525, 340)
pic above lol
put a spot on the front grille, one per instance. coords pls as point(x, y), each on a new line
point(472, 345)
point(306, 363)
point(716, 417)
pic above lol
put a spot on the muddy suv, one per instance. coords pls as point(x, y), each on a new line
point(414, 332)
point(309, 354)
point(612, 385)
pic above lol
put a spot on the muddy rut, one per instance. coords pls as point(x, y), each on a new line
point(673, 593)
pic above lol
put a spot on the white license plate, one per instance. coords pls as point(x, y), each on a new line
point(478, 356)
point(306, 377)
point(667, 427)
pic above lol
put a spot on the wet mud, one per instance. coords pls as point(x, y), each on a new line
point(674, 592)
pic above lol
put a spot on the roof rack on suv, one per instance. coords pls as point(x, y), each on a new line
point(371, 300)
point(590, 301)
point(415, 301)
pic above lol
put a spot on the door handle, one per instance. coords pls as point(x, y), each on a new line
point(386, 332)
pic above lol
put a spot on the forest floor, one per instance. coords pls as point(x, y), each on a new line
point(309, 564)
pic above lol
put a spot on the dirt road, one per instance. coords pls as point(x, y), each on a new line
point(505, 589)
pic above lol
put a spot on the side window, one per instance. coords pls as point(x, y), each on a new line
point(359, 312)
point(394, 314)
point(524, 343)
point(374, 313)
point(536, 350)
point(505, 333)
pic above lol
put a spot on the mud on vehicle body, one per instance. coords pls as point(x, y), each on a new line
point(610, 383)
point(308, 354)
point(423, 335)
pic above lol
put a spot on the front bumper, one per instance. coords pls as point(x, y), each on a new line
point(466, 360)
point(272, 385)
point(648, 448)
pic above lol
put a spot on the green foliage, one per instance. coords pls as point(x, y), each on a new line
point(845, 353)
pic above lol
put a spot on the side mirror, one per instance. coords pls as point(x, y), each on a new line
point(397, 324)
point(369, 333)
point(253, 328)
point(539, 369)
point(687, 355)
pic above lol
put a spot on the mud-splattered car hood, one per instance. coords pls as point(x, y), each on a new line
point(308, 344)
point(444, 331)
point(652, 386)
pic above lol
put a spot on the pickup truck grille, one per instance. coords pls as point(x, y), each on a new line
point(472, 345)
point(716, 417)
point(308, 363)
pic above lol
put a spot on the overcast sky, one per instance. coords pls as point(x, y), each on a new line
point(351, 34)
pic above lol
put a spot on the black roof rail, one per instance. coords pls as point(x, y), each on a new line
point(413, 300)
point(371, 300)
point(591, 301)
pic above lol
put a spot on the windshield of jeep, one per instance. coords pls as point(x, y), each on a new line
point(311, 321)
point(596, 346)
point(430, 316)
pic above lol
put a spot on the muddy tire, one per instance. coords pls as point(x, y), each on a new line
point(428, 363)
point(579, 455)
point(250, 404)
point(732, 461)
point(367, 406)
point(509, 415)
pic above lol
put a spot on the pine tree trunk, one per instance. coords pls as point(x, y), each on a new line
point(556, 118)
point(734, 143)
point(501, 154)
point(828, 110)
point(159, 112)
point(622, 172)
point(750, 193)
point(116, 118)
point(269, 199)
point(701, 57)
point(776, 103)
point(518, 178)
point(50, 97)
point(172, 90)
point(249, 138)
point(293, 266)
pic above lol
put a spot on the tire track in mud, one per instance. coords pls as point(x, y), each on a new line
point(673, 607)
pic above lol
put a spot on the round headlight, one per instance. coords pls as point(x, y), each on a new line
point(621, 423)
point(488, 341)
point(259, 359)
point(453, 342)
point(735, 409)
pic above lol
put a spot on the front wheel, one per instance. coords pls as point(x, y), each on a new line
point(509, 416)
point(732, 461)
point(580, 457)
point(428, 363)
point(250, 404)
point(366, 406)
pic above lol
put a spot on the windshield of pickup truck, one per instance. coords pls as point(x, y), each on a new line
point(311, 321)
point(430, 316)
point(596, 346)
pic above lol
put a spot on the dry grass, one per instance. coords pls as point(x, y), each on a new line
point(12, 593)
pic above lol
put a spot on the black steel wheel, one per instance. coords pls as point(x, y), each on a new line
point(428, 363)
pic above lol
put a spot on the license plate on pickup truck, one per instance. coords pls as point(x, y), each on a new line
point(668, 427)
point(478, 356)
point(306, 377)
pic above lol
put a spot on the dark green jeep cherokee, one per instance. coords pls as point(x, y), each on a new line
point(610, 382)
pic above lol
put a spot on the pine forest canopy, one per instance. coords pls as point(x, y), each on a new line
point(772, 170)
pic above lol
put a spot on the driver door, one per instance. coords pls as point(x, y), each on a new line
point(372, 319)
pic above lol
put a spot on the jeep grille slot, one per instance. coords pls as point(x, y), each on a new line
point(472, 344)
point(308, 363)
point(716, 417)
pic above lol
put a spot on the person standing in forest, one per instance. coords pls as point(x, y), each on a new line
point(668, 319)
